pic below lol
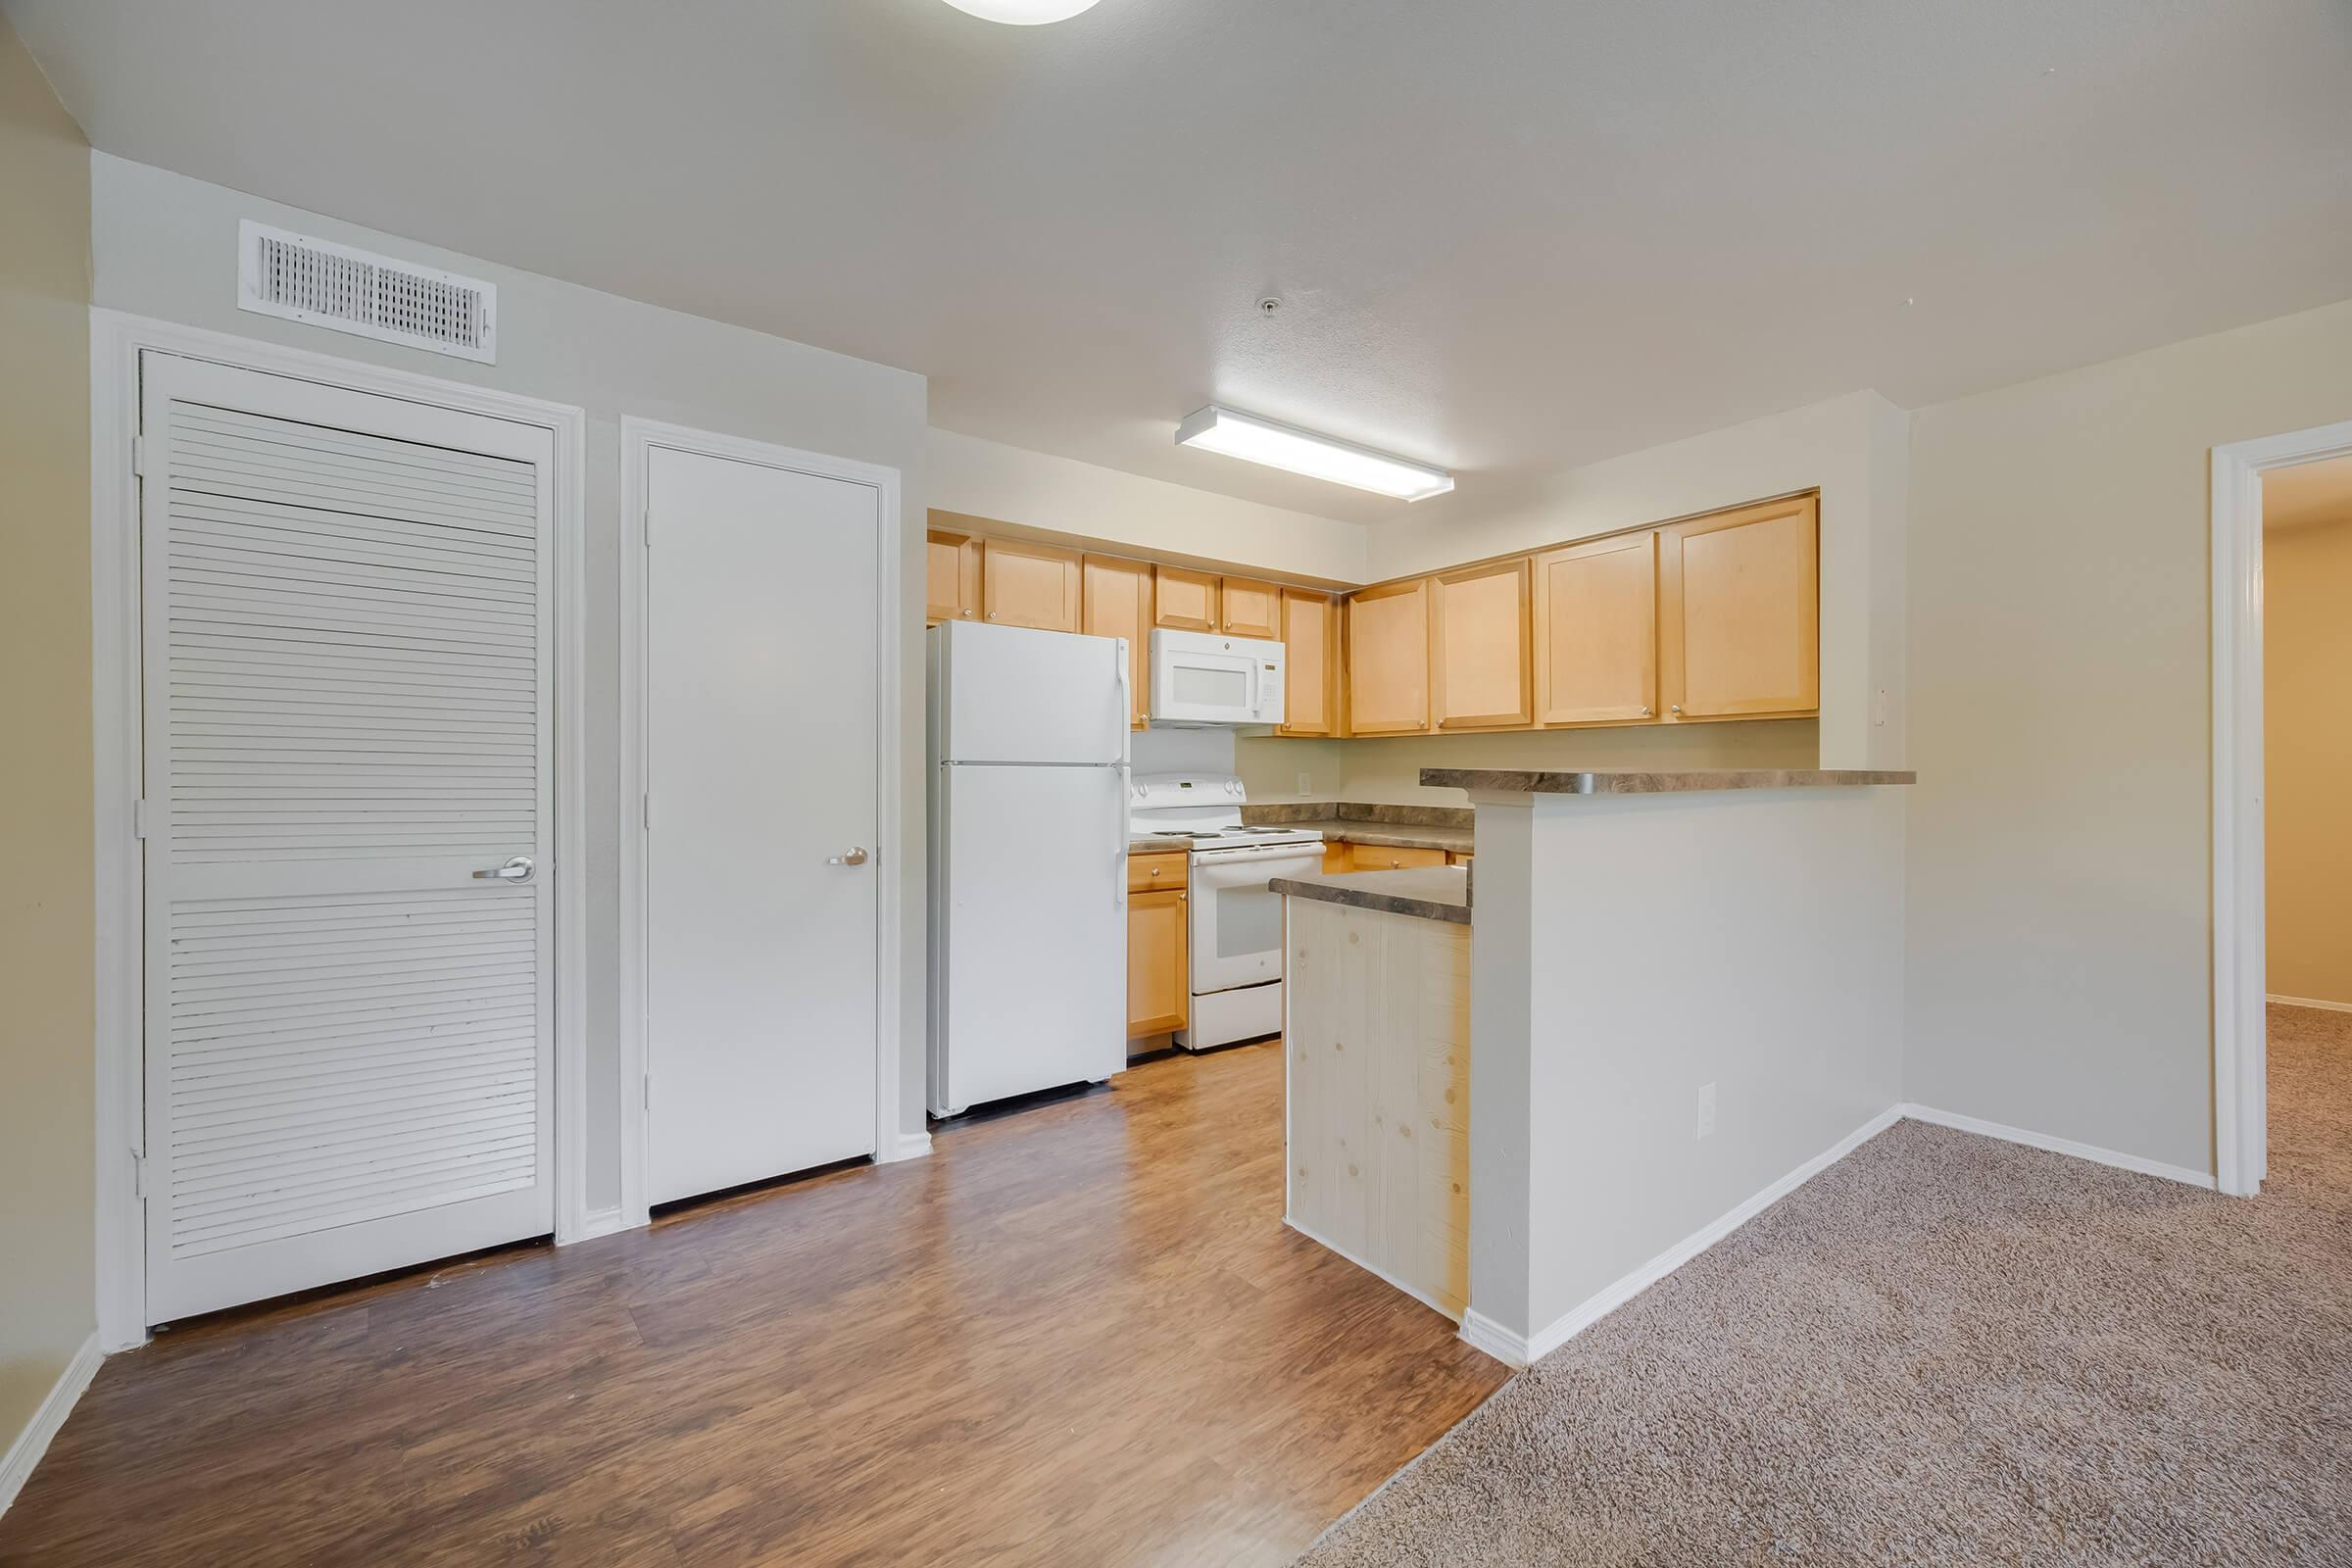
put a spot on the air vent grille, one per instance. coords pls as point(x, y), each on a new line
point(347, 290)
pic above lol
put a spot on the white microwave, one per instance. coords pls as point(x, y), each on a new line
point(1200, 678)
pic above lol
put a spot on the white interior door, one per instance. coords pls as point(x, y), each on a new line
point(761, 695)
point(348, 709)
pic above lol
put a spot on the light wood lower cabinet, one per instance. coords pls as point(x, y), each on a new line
point(1740, 613)
point(1311, 640)
point(1388, 660)
point(1391, 857)
point(1158, 918)
point(1024, 584)
point(1184, 599)
point(953, 564)
point(1338, 856)
point(1596, 632)
point(1117, 602)
point(1478, 640)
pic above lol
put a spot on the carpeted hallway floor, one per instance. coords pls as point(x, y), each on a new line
point(1947, 1349)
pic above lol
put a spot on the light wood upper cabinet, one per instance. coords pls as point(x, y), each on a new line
point(1311, 647)
point(954, 567)
point(1249, 608)
point(1739, 611)
point(1185, 600)
point(1031, 585)
point(1596, 631)
point(1116, 598)
point(1159, 984)
point(1478, 642)
point(1387, 659)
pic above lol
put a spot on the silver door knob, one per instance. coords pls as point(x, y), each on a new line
point(1649, 712)
point(1675, 708)
point(855, 857)
point(518, 870)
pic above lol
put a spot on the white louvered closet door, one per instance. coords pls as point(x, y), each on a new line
point(349, 1034)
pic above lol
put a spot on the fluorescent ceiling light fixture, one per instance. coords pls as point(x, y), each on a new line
point(1023, 13)
point(1318, 457)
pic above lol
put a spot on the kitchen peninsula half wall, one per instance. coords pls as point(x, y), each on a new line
point(1685, 997)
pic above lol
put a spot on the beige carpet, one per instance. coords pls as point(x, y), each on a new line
point(1947, 1349)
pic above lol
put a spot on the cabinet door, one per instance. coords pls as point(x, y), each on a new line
point(1311, 640)
point(1477, 664)
point(1739, 612)
point(1031, 585)
point(1338, 856)
point(1117, 603)
point(1156, 987)
point(1596, 632)
point(954, 573)
point(1185, 601)
point(1391, 857)
point(1249, 608)
point(1388, 660)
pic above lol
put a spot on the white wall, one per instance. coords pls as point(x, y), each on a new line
point(1035, 490)
point(1633, 950)
point(166, 247)
point(1853, 448)
point(2061, 897)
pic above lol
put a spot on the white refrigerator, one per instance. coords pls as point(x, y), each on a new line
point(1029, 761)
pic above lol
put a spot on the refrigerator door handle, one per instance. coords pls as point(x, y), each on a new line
point(1118, 881)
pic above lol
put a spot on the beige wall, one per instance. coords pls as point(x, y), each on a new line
point(47, 1218)
point(2060, 898)
point(1387, 770)
point(2307, 758)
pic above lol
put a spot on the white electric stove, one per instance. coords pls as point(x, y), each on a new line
point(1234, 931)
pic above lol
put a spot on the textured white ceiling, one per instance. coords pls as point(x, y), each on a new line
point(1513, 235)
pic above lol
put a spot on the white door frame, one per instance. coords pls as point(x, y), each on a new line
point(638, 439)
point(117, 340)
point(2240, 1057)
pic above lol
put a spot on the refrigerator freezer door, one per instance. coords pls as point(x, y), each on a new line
point(1007, 694)
point(1031, 976)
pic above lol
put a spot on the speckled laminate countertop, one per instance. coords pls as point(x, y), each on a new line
point(1428, 893)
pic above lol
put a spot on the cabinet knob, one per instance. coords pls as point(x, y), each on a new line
point(1155, 871)
point(967, 614)
point(1649, 712)
point(1675, 708)
point(1179, 898)
point(992, 614)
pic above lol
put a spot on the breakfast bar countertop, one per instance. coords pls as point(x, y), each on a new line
point(1637, 781)
point(1427, 893)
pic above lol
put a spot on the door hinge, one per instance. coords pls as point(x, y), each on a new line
point(645, 804)
point(648, 1082)
point(645, 528)
point(138, 1174)
point(138, 455)
point(138, 819)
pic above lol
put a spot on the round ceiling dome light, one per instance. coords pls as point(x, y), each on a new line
point(1023, 13)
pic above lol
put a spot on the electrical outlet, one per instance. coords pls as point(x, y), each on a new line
point(1306, 784)
point(1706, 1110)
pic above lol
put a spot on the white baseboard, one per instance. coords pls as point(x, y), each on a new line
point(1481, 1333)
point(606, 1222)
point(1512, 1350)
point(1381, 1274)
point(2310, 1001)
point(911, 1146)
point(23, 1455)
point(2058, 1145)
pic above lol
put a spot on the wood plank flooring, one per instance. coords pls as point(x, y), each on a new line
point(1078, 1333)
